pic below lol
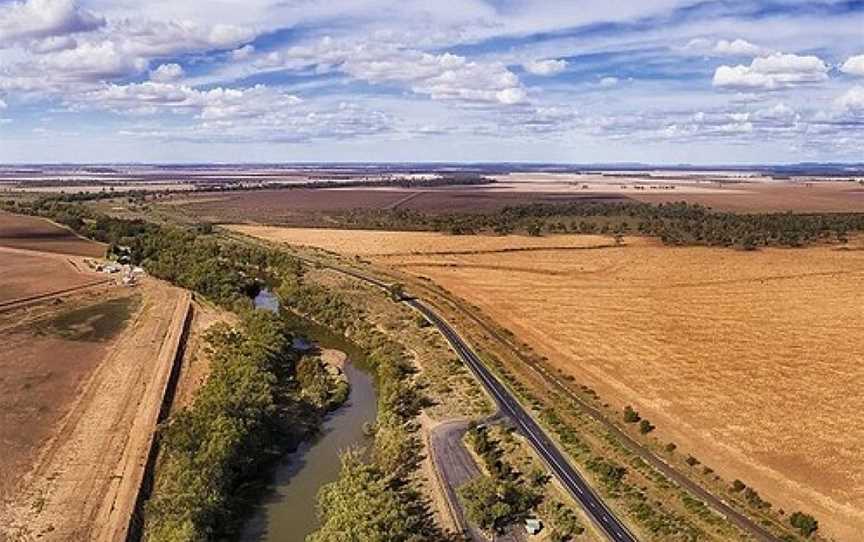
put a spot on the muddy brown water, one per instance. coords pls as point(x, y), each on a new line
point(288, 512)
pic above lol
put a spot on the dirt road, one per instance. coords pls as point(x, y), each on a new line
point(80, 485)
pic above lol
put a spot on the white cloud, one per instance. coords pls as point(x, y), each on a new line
point(854, 65)
point(33, 19)
point(99, 61)
point(852, 101)
point(737, 47)
point(52, 44)
point(166, 73)
point(546, 67)
point(771, 72)
point(242, 53)
point(608, 82)
point(2, 104)
point(444, 76)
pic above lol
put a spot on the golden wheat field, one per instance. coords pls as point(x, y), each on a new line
point(751, 361)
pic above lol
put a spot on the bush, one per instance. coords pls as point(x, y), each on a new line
point(805, 523)
point(630, 415)
point(645, 427)
point(738, 486)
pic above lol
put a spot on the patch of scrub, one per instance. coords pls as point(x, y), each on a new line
point(93, 323)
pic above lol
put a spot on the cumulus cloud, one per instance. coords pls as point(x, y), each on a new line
point(546, 67)
point(771, 72)
point(166, 73)
point(608, 82)
point(34, 19)
point(737, 47)
point(854, 65)
point(444, 76)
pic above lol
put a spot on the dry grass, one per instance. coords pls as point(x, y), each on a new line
point(379, 243)
point(751, 361)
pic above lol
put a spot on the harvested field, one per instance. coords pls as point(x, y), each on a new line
point(32, 233)
point(84, 382)
point(750, 361)
point(29, 274)
point(37, 386)
point(300, 207)
point(378, 243)
point(817, 197)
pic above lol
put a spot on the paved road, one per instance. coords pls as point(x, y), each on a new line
point(599, 512)
point(731, 514)
point(596, 509)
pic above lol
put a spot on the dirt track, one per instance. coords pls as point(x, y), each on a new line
point(83, 480)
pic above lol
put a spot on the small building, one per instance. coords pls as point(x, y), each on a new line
point(533, 526)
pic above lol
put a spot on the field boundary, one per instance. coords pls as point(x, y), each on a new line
point(125, 514)
point(25, 301)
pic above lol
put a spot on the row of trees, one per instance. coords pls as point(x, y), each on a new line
point(674, 223)
point(372, 499)
point(246, 414)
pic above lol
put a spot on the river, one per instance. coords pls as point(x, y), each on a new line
point(288, 511)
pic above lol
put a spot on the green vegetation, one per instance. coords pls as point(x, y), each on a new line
point(244, 415)
point(497, 501)
point(364, 505)
point(805, 523)
point(386, 477)
point(674, 223)
point(630, 415)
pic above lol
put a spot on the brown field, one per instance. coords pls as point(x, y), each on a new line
point(32, 233)
point(78, 383)
point(308, 206)
point(28, 274)
point(827, 197)
point(750, 361)
point(315, 207)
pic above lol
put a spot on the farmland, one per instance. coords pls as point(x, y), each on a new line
point(81, 362)
point(748, 361)
point(32, 233)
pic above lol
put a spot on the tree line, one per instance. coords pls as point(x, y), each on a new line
point(678, 223)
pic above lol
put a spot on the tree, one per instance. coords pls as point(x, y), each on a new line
point(483, 505)
point(805, 523)
point(645, 427)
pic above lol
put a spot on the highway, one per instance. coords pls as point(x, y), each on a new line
point(510, 407)
point(593, 505)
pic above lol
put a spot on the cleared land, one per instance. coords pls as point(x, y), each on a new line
point(82, 381)
point(326, 207)
point(32, 233)
point(311, 206)
point(26, 275)
point(750, 361)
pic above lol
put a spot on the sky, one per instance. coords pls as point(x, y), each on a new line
point(569, 81)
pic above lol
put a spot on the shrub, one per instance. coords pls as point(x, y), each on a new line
point(805, 523)
point(630, 415)
point(645, 427)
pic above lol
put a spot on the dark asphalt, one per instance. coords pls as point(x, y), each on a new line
point(596, 509)
point(560, 467)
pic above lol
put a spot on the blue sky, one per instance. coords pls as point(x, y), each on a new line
point(659, 81)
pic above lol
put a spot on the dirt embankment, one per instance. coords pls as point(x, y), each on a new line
point(81, 480)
